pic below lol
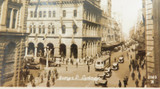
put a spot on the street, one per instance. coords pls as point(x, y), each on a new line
point(80, 77)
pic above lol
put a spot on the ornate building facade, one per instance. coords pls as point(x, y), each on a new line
point(12, 40)
point(71, 28)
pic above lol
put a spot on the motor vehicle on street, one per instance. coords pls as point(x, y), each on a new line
point(101, 81)
point(102, 63)
point(108, 72)
point(32, 66)
point(115, 66)
point(58, 61)
point(121, 60)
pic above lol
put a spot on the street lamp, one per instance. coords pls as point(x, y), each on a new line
point(48, 53)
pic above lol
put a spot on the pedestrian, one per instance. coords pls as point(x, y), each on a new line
point(53, 80)
point(137, 82)
point(41, 78)
point(71, 61)
point(88, 68)
point(139, 75)
point(31, 78)
point(119, 84)
point(77, 64)
point(48, 83)
point(137, 67)
point(133, 75)
point(143, 82)
point(66, 67)
point(124, 82)
point(129, 67)
point(33, 83)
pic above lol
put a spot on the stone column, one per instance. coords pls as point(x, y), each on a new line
point(87, 49)
point(56, 50)
point(4, 15)
point(68, 52)
point(35, 52)
point(11, 18)
point(26, 51)
point(79, 52)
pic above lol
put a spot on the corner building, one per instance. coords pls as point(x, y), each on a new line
point(71, 28)
point(12, 40)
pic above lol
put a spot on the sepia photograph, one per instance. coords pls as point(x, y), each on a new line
point(80, 43)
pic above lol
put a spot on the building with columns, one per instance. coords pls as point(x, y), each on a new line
point(71, 28)
point(12, 40)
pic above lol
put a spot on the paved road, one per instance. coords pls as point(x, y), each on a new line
point(80, 77)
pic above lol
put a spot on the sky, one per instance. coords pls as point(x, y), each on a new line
point(127, 12)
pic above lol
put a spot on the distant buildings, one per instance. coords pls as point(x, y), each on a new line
point(12, 40)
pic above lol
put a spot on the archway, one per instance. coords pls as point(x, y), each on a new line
point(8, 63)
point(40, 50)
point(74, 51)
point(30, 48)
point(63, 50)
point(50, 45)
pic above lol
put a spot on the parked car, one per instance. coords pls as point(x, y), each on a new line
point(121, 60)
point(115, 66)
point(58, 61)
point(101, 81)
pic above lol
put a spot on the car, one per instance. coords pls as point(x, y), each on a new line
point(101, 81)
point(108, 72)
point(32, 66)
point(121, 60)
point(115, 66)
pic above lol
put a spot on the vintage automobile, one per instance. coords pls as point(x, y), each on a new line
point(115, 66)
point(101, 81)
point(32, 66)
point(121, 60)
point(108, 72)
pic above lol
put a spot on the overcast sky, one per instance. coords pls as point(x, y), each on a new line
point(126, 11)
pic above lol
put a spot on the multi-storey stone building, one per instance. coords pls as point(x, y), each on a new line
point(68, 27)
point(12, 40)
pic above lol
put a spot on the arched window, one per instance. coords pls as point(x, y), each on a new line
point(74, 29)
point(49, 29)
point(40, 29)
point(63, 29)
point(53, 29)
point(43, 29)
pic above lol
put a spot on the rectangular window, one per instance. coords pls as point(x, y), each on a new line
point(52, 29)
point(75, 13)
point(35, 14)
point(34, 29)
point(64, 13)
point(43, 29)
point(31, 14)
point(63, 29)
point(49, 13)
point(40, 14)
point(44, 13)
point(14, 18)
point(54, 13)
point(8, 17)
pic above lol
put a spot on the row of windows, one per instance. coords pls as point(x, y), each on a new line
point(50, 13)
point(51, 29)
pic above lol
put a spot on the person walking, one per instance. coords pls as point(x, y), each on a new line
point(48, 84)
point(33, 83)
point(119, 84)
point(133, 75)
point(137, 82)
point(88, 68)
point(137, 67)
point(129, 67)
point(124, 82)
point(76, 64)
point(53, 80)
point(139, 75)
point(66, 67)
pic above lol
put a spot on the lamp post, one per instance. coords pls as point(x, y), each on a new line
point(48, 53)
